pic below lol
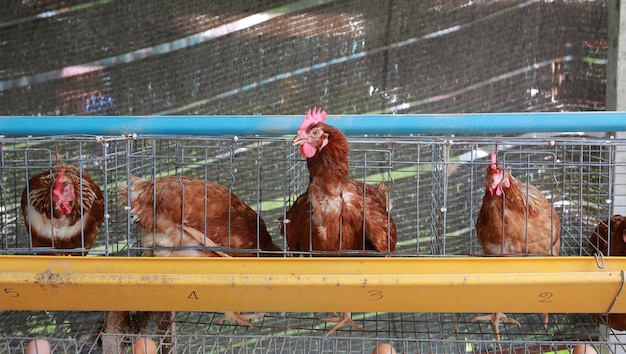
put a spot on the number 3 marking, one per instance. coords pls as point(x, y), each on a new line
point(375, 295)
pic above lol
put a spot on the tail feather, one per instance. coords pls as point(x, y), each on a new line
point(122, 193)
point(207, 242)
point(381, 186)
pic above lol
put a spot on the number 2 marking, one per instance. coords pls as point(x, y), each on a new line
point(546, 296)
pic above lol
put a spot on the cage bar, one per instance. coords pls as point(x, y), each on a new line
point(470, 123)
point(536, 284)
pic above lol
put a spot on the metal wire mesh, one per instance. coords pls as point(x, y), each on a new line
point(436, 186)
point(430, 179)
point(276, 56)
point(302, 332)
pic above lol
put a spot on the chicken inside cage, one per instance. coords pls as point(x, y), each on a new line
point(218, 196)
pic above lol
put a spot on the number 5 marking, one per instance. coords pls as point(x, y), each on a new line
point(11, 293)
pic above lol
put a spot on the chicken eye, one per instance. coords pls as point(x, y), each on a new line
point(315, 132)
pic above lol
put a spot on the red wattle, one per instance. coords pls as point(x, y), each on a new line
point(307, 150)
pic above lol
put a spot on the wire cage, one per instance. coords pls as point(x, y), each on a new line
point(435, 183)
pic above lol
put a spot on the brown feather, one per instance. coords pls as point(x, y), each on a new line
point(336, 213)
point(171, 227)
point(49, 227)
point(503, 226)
point(515, 219)
point(184, 217)
point(599, 241)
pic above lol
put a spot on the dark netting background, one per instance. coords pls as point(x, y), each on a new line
point(151, 57)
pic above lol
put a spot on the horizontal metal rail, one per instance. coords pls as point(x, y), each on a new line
point(463, 284)
point(475, 123)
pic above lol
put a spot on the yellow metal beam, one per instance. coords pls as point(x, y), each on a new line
point(464, 284)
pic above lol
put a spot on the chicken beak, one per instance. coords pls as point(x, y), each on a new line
point(298, 140)
point(64, 207)
point(499, 181)
point(496, 180)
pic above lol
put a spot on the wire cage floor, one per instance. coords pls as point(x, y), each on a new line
point(81, 332)
point(435, 183)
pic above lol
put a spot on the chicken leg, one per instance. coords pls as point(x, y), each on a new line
point(237, 317)
point(545, 321)
point(116, 324)
point(496, 318)
point(345, 320)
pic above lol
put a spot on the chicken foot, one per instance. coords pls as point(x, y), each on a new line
point(167, 328)
point(116, 324)
point(496, 318)
point(345, 320)
point(243, 320)
point(231, 316)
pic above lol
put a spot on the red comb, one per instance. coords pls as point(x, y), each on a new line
point(493, 157)
point(313, 116)
point(57, 191)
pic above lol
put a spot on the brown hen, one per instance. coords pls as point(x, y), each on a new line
point(515, 219)
point(336, 214)
point(183, 217)
point(599, 242)
point(63, 209)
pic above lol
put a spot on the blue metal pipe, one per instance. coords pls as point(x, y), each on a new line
point(478, 124)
